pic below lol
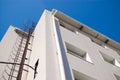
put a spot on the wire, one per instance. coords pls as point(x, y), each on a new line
point(1, 62)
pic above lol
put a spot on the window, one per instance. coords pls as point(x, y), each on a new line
point(81, 76)
point(110, 60)
point(78, 52)
point(117, 77)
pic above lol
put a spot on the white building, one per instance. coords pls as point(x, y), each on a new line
point(63, 48)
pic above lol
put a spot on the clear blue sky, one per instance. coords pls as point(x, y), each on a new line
point(101, 15)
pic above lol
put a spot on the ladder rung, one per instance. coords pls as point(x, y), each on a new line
point(8, 67)
point(13, 76)
point(29, 49)
point(4, 77)
point(25, 70)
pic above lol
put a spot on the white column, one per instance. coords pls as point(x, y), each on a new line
point(62, 57)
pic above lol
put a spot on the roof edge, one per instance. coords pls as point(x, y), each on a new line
point(78, 24)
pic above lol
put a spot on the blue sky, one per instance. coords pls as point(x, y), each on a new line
point(101, 15)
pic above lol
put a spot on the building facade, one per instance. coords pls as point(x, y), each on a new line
point(59, 48)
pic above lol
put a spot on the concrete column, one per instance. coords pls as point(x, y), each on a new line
point(62, 57)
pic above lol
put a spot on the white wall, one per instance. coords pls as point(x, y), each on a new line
point(8, 51)
point(99, 69)
point(44, 49)
point(6, 46)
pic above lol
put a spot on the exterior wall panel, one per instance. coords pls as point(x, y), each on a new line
point(53, 32)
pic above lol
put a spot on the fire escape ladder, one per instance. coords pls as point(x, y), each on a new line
point(16, 61)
